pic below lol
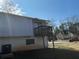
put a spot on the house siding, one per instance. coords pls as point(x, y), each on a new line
point(15, 26)
point(21, 45)
point(15, 30)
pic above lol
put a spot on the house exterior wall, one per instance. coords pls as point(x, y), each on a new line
point(59, 36)
point(15, 30)
point(46, 41)
point(12, 25)
point(19, 43)
point(63, 36)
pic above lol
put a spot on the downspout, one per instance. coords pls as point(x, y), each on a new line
point(43, 41)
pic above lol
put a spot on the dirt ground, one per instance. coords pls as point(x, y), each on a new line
point(63, 50)
point(64, 44)
point(48, 53)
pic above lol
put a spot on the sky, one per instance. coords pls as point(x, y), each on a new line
point(54, 10)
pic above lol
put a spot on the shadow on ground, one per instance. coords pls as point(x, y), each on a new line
point(48, 53)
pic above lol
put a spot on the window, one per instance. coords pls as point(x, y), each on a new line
point(29, 41)
point(6, 48)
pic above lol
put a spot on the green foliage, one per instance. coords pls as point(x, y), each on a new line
point(71, 24)
point(56, 30)
point(74, 28)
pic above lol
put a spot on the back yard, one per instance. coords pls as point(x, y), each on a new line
point(47, 54)
point(63, 50)
point(63, 44)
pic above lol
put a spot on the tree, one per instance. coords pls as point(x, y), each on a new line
point(8, 6)
point(56, 30)
point(71, 24)
point(74, 28)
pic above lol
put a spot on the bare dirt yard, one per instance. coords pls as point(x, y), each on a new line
point(48, 53)
point(64, 44)
point(63, 50)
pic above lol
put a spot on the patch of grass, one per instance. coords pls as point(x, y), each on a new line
point(63, 46)
point(66, 45)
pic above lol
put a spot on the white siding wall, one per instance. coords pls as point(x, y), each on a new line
point(19, 44)
point(11, 25)
point(46, 41)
